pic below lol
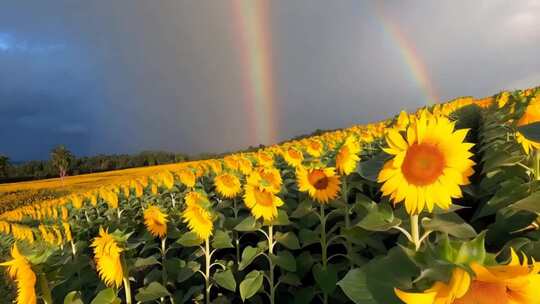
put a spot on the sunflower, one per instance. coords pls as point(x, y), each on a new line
point(265, 159)
point(155, 221)
point(293, 156)
point(166, 178)
point(244, 165)
point(531, 115)
point(20, 269)
point(197, 216)
point(322, 184)
point(440, 292)
point(187, 177)
point(428, 165)
point(314, 147)
point(402, 121)
point(347, 156)
point(109, 197)
point(261, 202)
point(107, 256)
point(67, 231)
point(231, 162)
point(268, 178)
point(516, 283)
point(227, 185)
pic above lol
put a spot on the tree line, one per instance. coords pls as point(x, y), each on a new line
point(62, 162)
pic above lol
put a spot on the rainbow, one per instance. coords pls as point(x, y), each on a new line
point(411, 57)
point(253, 32)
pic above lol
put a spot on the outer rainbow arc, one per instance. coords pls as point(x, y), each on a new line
point(254, 36)
point(411, 57)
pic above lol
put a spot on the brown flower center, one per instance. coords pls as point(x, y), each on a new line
point(318, 179)
point(263, 198)
point(423, 164)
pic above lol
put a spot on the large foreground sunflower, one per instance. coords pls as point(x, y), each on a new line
point(262, 202)
point(155, 221)
point(107, 256)
point(440, 292)
point(197, 216)
point(20, 269)
point(514, 283)
point(227, 185)
point(428, 166)
point(322, 184)
point(531, 115)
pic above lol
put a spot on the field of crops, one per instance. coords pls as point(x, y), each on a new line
point(437, 206)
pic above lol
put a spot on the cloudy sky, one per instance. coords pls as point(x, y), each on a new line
point(129, 75)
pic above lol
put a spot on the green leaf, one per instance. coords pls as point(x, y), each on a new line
point(473, 250)
point(73, 297)
point(370, 168)
point(531, 131)
point(304, 263)
point(288, 240)
point(106, 296)
point(152, 292)
point(531, 203)
point(248, 224)
point(378, 217)
point(285, 260)
point(326, 278)
point(226, 280)
point(308, 237)
point(251, 284)
point(354, 285)
point(248, 255)
point(304, 295)
point(290, 279)
point(304, 208)
point(188, 271)
point(449, 223)
point(374, 282)
point(221, 240)
point(282, 219)
point(189, 239)
point(145, 262)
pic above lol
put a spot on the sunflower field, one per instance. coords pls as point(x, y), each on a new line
point(438, 206)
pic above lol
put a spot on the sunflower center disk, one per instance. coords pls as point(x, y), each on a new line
point(228, 181)
point(423, 164)
point(318, 179)
point(263, 198)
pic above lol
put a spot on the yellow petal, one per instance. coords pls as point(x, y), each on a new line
point(415, 298)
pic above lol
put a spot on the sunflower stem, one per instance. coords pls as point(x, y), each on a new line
point(163, 260)
point(45, 290)
point(324, 254)
point(345, 196)
point(537, 164)
point(271, 252)
point(125, 280)
point(127, 289)
point(415, 231)
point(207, 269)
point(235, 233)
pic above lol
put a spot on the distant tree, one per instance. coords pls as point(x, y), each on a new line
point(61, 159)
point(4, 165)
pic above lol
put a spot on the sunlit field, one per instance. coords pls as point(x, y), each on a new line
point(436, 206)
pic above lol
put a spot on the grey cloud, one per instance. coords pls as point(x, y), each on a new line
point(123, 76)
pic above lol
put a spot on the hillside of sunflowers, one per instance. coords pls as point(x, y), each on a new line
point(437, 206)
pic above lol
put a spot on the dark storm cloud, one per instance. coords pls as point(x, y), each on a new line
point(123, 76)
